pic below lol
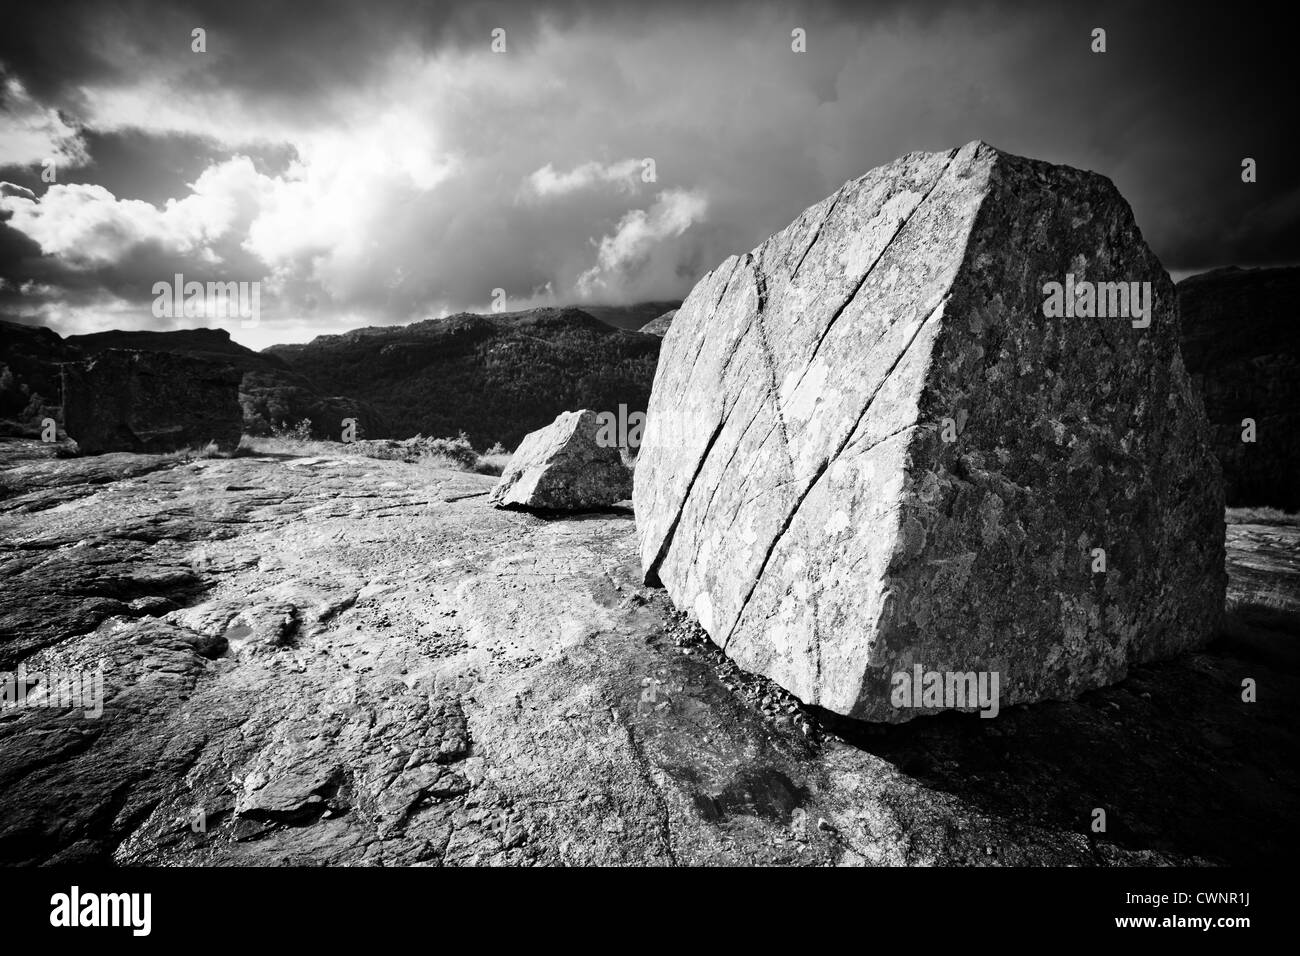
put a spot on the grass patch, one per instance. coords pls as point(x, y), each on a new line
point(455, 453)
point(210, 450)
point(298, 448)
point(489, 464)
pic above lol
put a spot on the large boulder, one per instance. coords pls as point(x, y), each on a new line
point(150, 402)
point(564, 466)
point(870, 454)
point(1241, 342)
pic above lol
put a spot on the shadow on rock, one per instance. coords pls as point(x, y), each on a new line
point(1173, 755)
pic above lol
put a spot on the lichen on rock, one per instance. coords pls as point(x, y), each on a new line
point(868, 448)
point(564, 466)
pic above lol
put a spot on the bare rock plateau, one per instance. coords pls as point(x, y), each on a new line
point(342, 660)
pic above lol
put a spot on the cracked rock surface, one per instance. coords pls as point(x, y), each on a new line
point(867, 449)
point(340, 660)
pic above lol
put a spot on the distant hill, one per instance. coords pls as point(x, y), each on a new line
point(270, 393)
point(495, 377)
point(1241, 345)
point(630, 317)
point(212, 344)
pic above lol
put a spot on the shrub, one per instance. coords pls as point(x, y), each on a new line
point(298, 432)
point(457, 450)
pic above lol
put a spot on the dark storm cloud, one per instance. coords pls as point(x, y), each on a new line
point(287, 50)
point(135, 165)
point(393, 158)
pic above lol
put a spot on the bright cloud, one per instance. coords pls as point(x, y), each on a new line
point(640, 235)
point(547, 182)
point(32, 134)
point(86, 226)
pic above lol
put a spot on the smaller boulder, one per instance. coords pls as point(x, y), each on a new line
point(564, 466)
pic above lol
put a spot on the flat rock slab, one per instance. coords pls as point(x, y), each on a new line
point(150, 402)
point(564, 467)
point(869, 450)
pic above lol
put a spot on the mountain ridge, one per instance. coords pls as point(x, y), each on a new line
point(495, 377)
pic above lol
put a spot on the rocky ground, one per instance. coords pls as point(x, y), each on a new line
point(340, 660)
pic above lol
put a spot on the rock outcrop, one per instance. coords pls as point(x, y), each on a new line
point(869, 450)
point(1241, 343)
point(659, 326)
point(564, 466)
point(150, 402)
point(29, 377)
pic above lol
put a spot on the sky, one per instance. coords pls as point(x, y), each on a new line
point(379, 163)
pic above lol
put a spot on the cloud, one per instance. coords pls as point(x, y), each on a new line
point(13, 189)
point(336, 218)
point(638, 246)
point(547, 182)
point(34, 134)
point(380, 165)
point(86, 226)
